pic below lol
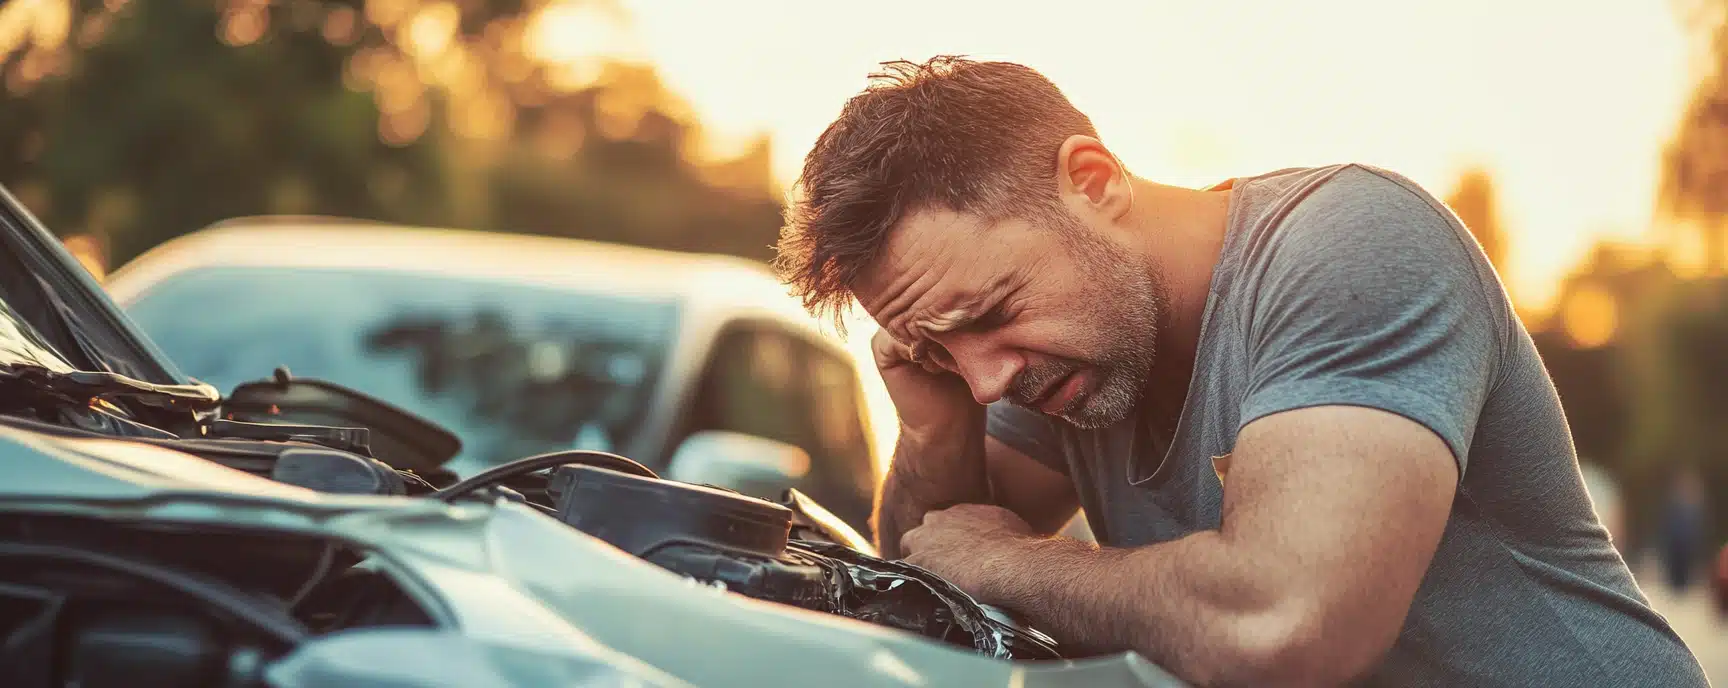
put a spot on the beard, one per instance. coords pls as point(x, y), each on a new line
point(1125, 304)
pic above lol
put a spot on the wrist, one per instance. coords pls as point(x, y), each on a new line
point(949, 433)
point(1018, 567)
point(1015, 569)
point(942, 469)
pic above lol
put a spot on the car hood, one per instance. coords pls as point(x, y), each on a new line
point(71, 298)
point(522, 599)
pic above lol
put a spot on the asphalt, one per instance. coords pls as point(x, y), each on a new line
point(1694, 617)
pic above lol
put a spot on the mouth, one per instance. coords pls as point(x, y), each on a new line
point(1061, 392)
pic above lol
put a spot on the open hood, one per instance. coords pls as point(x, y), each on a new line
point(68, 315)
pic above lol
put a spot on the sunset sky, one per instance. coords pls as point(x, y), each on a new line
point(1568, 104)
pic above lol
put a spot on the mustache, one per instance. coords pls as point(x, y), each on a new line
point(1031, 383)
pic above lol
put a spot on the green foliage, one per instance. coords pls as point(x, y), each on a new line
point(152, 119)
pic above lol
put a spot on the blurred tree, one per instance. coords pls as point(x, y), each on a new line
point(1645, 388)
point(1474, 201)
point(1670, 363)
point(147, 120)
point(1694, 185)
point(136, 122)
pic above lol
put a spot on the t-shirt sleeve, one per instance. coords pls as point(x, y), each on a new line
point(1028, 432)
point(1369, 296)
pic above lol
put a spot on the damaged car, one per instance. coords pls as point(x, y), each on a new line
point(156, 531)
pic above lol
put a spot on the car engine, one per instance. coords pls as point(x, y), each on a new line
point(92, 603)
point(743, 544)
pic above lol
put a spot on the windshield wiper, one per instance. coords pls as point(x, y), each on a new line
point(82, 386)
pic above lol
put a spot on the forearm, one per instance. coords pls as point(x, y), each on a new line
point(928, 474)
point(1195, 606)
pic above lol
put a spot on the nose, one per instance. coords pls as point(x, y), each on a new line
point(987, 369)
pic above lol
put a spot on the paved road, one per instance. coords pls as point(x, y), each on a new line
point(1695, 619)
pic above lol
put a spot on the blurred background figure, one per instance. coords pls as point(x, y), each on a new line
point(1683, 541)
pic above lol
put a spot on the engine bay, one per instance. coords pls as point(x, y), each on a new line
point(94, 602)
point(743, 543)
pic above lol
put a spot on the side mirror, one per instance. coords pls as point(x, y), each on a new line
point(756, 466)
point(397, 437)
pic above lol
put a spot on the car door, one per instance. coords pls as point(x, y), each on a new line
point(762, 379)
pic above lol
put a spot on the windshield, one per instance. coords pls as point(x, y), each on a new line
point(20, 345)
point(513, 369)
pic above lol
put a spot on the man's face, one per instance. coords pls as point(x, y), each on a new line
point(1048, 313)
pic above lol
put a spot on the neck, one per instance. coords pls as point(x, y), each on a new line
point(1181, 231)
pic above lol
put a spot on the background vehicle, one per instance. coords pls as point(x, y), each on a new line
point(523, 345)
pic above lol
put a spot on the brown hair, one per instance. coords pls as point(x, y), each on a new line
point(964, 135)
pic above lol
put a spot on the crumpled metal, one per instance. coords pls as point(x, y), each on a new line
point(885, 592)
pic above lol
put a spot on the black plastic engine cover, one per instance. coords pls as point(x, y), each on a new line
point(642, 515)
point(742, 543)
point(784, 581)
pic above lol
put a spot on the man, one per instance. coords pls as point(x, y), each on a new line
point(1314, 441)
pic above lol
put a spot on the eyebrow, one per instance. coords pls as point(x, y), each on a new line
point(967, 308)
point(972, 309)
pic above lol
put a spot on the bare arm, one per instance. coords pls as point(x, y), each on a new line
point(927, 474)
point(968, 468)
point(1331, 517)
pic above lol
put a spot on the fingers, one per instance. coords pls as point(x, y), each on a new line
point(890, 353)
point(913, 539)
point(910, 541)
point(924, 535)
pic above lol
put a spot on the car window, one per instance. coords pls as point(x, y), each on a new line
point(750, 386)
point(836, 402)
point(512, 368)
point(773, 384)
point(832, 402)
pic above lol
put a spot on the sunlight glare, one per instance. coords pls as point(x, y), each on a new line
point(1591, 317)
point(1189, 92)
point(430, 31)
point(568, 33)
point(40, 22)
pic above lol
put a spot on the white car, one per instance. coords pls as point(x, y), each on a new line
point(524, 344)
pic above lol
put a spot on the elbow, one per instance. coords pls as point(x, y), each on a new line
point(1299, 645)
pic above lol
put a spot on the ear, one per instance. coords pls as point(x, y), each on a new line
point(1088, 175)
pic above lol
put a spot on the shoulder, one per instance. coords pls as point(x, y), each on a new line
point(1360, 211)
point(1364, 195)
point(1378, 241)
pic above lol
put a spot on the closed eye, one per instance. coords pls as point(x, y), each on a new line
point(939, 355)
point(997, 316)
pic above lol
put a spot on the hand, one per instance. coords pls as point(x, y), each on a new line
point(969, 545)
point(930, 400)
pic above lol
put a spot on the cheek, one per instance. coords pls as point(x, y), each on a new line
point(1051, 335)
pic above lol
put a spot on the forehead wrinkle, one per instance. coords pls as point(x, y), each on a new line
point(964, 307)
point(900, 311)
point(903, 312)
point(905, 291)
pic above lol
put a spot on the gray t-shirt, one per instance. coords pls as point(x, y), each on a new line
point(1350, 285)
